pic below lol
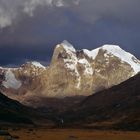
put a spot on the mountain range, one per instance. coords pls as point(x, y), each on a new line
point(71, 73)
point(80, 88)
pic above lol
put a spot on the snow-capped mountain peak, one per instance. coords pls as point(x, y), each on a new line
point(92, 54)
point(124, 56)
point(33, 64)
point(67, 46)
point(118, 52)
point(70, 73)
point(37, 64)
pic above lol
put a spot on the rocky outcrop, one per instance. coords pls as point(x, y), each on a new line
point(70, 73)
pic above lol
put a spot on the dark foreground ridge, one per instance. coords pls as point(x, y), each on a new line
point(117, 108)
point(114, 108)
point(12, 111)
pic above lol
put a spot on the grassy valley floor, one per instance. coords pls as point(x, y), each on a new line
point(71, 134)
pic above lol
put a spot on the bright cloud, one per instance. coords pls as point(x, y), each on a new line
point(10, 11)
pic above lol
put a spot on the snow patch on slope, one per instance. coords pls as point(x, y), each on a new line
point(71, 62)
point(87, 66)
point(11, 81)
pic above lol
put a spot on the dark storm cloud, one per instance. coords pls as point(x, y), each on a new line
point(19, 55)
point(123, 10)
point(85, 23)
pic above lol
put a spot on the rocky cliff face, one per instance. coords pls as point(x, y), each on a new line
point(70, 73)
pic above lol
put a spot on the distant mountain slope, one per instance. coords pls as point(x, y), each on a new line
point(117, 107)
point(71, 73)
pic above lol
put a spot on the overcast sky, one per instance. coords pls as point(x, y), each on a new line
point(30, 29)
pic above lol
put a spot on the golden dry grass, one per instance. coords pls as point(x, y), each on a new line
point(73, 134)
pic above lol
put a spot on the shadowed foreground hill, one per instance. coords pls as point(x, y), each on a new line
point(12, 111)
point(117, 107)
